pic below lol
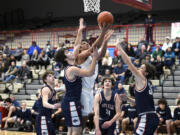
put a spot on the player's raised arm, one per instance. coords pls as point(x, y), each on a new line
point(97, 43)
point(79, 33)
point(127, 60)
point(85, 72)
point(78, 40)
point(104, 44)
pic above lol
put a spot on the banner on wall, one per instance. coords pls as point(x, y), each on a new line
point(175, 30)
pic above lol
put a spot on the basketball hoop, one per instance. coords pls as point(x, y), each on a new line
point(92, 5)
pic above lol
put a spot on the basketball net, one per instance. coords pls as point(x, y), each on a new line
point(92, 5)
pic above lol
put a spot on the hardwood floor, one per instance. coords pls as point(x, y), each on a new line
point(4, 132)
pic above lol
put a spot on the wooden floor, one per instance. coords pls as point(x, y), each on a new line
point(4, 132)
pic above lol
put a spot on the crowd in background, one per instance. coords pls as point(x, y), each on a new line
point(163, 56)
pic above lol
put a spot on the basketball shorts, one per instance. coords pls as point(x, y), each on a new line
point(146, 124)
point(87, 100)
point(107, 131)
point(72, 113)
point(44, 126)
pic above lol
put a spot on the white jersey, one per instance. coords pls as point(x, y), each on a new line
point(88, 82)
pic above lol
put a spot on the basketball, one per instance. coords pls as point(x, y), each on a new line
point(105, 17)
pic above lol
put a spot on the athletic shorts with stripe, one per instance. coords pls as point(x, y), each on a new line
point(44, 125)
point(72, 113)
point(146, 124)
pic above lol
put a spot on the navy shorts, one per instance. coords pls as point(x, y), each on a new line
point(107, 131)
point(72, 113)
point(147, 124)
point(44, 126)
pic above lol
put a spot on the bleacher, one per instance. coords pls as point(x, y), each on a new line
point(27, 93)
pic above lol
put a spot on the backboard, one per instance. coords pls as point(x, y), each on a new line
point(145, 5)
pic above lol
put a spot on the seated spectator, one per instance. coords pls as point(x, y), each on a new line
point(119, 72)
point(60, 45)
point(48, 49)
point(169, 58)
point(159, 65)
point(176, 119)
point(116, 59)
point(141, 54)
point(164, 114)
point(15, 102)
point(120, 90)
point(142, 42)
point(176, 47)
point(11, 117)
point(18, 52)
point(166, 45)
point(11, 58)
point(130, 51)
point(34, 60)
point(59, 86)
point(32, 48)
point(124, 43)
point(147, 59)
point(157, 52)
point(25, 57)
point(103, 68)
point(24, 119)
point(108, 74)
point(131, 117)
point(12, 72)
point(24, 72)
point(3, 70)
point(57, 69)
point(137, 63)
point(7, 51)
point(43, 59)
point(107, 59)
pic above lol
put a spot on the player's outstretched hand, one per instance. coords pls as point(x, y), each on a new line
point(106, 124)
point(104, 28)
point(56, 106)
point(81, 24)
point(108, 35)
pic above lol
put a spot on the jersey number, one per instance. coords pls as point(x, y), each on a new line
point(150, 91)
point(108, 112)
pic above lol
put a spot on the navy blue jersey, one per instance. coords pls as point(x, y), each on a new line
point(177, 113)
point(131, 112)
point(124, 109)
point(165, 114)
point(43, 111)
point(107, 108)
point(144, 98)
point(73, 88)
